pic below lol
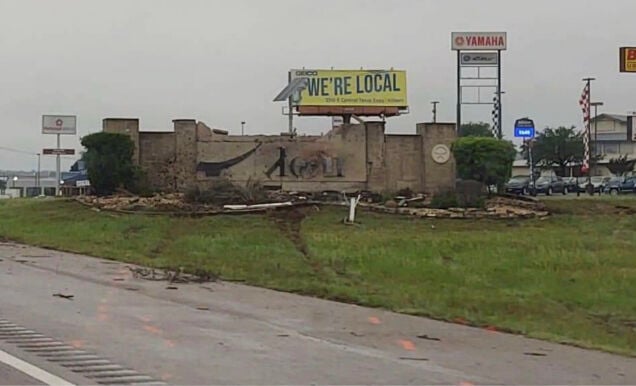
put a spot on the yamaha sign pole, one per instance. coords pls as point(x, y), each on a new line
point(524, 128)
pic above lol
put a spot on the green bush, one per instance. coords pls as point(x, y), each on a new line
point(139, 184)
point(108, 159)
point(224, 192)
point(487, 160)
point(444, 200)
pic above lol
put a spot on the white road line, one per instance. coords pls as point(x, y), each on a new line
point(32, 371)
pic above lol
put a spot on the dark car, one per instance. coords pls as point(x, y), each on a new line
point(518, 185)
point(572, 183)
point(621, 185)
point(549, 184)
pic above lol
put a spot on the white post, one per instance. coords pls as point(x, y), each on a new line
point(57, 168)
point(352, 209)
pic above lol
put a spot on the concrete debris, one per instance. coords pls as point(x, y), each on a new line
point(499, 207)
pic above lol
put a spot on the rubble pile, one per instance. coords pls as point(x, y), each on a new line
point(495, 208)
point(164, 203)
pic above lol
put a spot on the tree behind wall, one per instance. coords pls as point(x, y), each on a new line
point(475, 129)
point(487, 160)
point(108, 159)
point(621, 165)
point(557, 148)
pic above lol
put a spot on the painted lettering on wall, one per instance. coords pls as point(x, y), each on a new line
point(313, 166)
point(215, 169)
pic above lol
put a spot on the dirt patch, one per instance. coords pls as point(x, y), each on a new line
point(289, 222)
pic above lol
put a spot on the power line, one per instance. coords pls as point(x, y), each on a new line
point(17, 150)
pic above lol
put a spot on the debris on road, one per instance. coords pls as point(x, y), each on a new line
point(535, 354)
point(63, 296)
point(424, 336)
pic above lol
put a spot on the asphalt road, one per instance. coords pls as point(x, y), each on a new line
point(223, 333)
point(10, 376)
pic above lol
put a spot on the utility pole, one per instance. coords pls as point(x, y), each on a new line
point(590, 187)
point(435, 103)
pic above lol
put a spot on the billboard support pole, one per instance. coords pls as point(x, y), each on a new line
point(57, 168)
point(459, 91)
point(37, 179)
point(290, 112)
point(500, 118)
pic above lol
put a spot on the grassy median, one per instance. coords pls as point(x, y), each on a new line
point(569, 278)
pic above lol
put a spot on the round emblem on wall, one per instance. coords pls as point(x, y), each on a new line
point(441, 154)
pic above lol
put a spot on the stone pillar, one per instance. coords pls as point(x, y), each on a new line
point(376, 164)
point(439, 173)
point(128, 126)
point(186, 153)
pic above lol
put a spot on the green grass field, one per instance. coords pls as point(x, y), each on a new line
point(569, 278)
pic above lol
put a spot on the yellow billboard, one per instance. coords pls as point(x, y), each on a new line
point(385, 88)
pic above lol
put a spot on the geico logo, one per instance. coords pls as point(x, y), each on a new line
point(306, 73)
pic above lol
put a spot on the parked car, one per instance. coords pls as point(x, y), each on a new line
point(621, 185)
point(550, 184)
point(598, 182)
point(518, 185)
point(572, 183)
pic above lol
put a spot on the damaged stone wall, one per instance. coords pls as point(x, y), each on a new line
point(349, 158)
point(333, 161)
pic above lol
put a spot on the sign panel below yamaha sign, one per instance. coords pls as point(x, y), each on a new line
point(59, 124)
point(479, 41)
point(479, 59)
point(524, 128)
point(628, 59)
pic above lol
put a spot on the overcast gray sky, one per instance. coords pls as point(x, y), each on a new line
point(222, 62)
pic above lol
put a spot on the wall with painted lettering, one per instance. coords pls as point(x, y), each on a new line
point(351, 157)
point(337, 158)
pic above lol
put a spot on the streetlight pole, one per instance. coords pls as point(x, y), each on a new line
point(242, 127)
point(434, 103)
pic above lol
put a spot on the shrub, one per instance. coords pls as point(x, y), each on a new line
point(444, 200)
point(487, 160)
point(224, 192)
point(108, 159)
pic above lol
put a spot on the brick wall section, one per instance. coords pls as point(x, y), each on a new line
point(437, 177)
point(128, 126)
point(376, 164)
point(157, 158)
point(186, 153)
point(404, 168)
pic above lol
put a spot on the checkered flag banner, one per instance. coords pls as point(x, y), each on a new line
point(585, 107)
point(495, 115)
